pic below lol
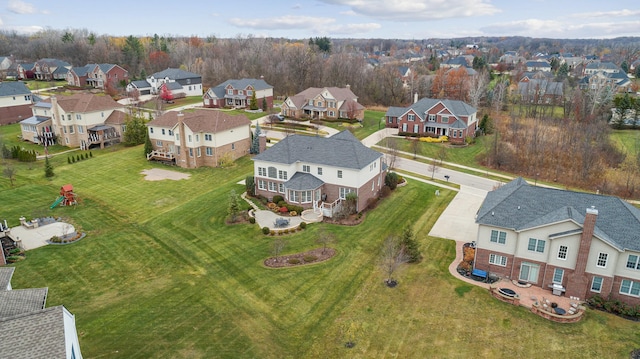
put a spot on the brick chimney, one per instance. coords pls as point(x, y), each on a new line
point(262, 142)
point(578, 282)
point(184, 155)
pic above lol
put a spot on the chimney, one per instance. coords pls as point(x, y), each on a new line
point(184, 156)
point(577, 283)
point(348, 86)
point(415, 97)
point(262, 142)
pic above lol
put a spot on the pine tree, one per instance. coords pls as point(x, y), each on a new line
point(253, 103)
point(68, 160)
point(148, 147)
point(410, 245)
point(264, 104)
point(48, 168)
point(255, 143)
point(234, 206)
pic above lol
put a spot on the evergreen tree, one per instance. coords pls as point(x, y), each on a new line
point(486, 125)
point(48, 168)
point(264, 104)
point(253, 103)
point(136, 130)
point(68, 160)
point(250, 185)
point(234, 206)
point(408, 240)
point(148, 147)
point(255, 143)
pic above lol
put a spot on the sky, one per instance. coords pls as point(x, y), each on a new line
point(302, 19)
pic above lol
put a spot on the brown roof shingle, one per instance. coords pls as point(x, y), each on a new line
point(86, 102)
point(200, 120)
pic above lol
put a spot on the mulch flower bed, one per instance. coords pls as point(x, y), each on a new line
point(298, 259)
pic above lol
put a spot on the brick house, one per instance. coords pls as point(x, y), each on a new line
point(15, 102)
point(584, 244)
point(238, 94)
point(451, 118)
point(97, 75)
point(199, 138)
point(327, 102)
point(81, 120)
point(51, 69)
point(319, 172)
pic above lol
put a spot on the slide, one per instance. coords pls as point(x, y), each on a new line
point(57, 202)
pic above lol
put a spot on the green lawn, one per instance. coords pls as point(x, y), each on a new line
point(372, 122)
point(11, 135)
point(160, 275)
point(461, 155)
point(627, 140)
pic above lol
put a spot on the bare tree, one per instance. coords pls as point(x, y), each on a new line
point(325, 238)
point(277, 246)
point(478, 87)
point(499, 93)
point(415, 147)
point(393, 256)
point(392, 152)
point(10, 172)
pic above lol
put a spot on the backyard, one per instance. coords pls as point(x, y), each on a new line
point(160, 275)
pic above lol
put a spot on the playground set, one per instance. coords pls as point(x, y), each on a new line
point(67, 197)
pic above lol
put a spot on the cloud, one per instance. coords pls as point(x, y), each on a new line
point(21, 7)
point(296, 7)
point(28, 30)
point(607, 14)
point(283, 23)
point(418, 10)
point(562, 29)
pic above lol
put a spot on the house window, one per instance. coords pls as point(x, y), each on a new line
point(273, 172)
point(170, 133)
point(207, 137)
point(339, 173)
point(306, 196)
point(233, 146)
point(602, 260)
point(344, 191)
point(558, 273)
point(320, 171)
point(69, 117)
point(499, 237)
point(189, 138)
point(630, 288)
point(240, 92)
point(272, 186)
point(529, 272)
point(281, 187)
point(150, 129)
point(332, 114)
point(78, 117)
point(432, 118)
point(262, 184)
point(411, 117)
point(198, 152)
point(191, 152)
point(159, 143)
point(454, 134)
point(208, 151)
point(306, 168)
point(596, 284)
point(404, 127)
point(262, 171)
point(415, 128)
point(294, 196)
point(445, 119)
point(562, 252)
point(498, 260)
point(197, 138)
point(230, 92)
point(249, 93)
point(536, 245)
point(71, 130)
point(282, 175)
point(80, 129)
point(163, 131)
point(633, 262)
point(319, 103)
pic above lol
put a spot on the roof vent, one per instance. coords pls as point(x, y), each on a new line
point(492, 213)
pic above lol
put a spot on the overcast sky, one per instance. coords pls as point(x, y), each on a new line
point(393, 19)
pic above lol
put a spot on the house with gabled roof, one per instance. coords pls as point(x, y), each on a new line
point(579, 244)
point(51, 69)
point(15, 102)
point(81, 120)
point(198, 138)
point(533, 66)
point(26, 71)
point(326, 102)
point(433, 117)
point(319, 172)
point(238, 94)
point(541, 91)
point(190, 83)
point(97, 75)
point(28, 329)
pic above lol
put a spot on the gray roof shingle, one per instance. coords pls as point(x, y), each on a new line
point(301, 181)
point(14, 88)
point(19, 301)
point(175, 74)
point(519, 206)
point(5, 277)
point(34, 335)
point(340, 150)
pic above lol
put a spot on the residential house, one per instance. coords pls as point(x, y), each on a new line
point(97, 75)
point(26, 71)
point(601, 67)
point(238, 94)
point(28, 329)
point(454, 63)
point(405, 75)
point(199, 138)
point(5, 63)
point(15, 102)
point(142, 86)
point(319, 172)
point(190, 83)
point(434, 117)
point(81, 120)
point(579, 244)
point(51, 69)
point(540, 91)
point(613, 81)
point(538, 66)
point(321, 103)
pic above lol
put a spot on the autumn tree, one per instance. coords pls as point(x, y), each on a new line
point(233, 207)
point(9, 172)
point(393, 255)
point(457, 84)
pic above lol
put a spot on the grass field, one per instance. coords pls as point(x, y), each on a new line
point(160, 275)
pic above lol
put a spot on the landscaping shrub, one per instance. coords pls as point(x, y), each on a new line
point(277, 199)
point(615, 306)
point(15, 251)
point(55, 239)
point(310, 258)
point(391, 180)
point(68, 160)
point(91, 154)
point(252, 220)
point(293, 213)
point(280, 203)
point(265, 230)
point(272, 205)
point(284, 209)
point(372, 203)
point(385, 191)
point(303, 225)
point(272, 233)
point(13, 259)
point(293, 261)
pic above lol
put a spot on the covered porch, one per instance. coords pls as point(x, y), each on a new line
point(102, 135)
point(314, 112)
point(237, 101)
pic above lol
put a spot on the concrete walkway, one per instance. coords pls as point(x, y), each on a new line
point(266, 218)
point(30, 238)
